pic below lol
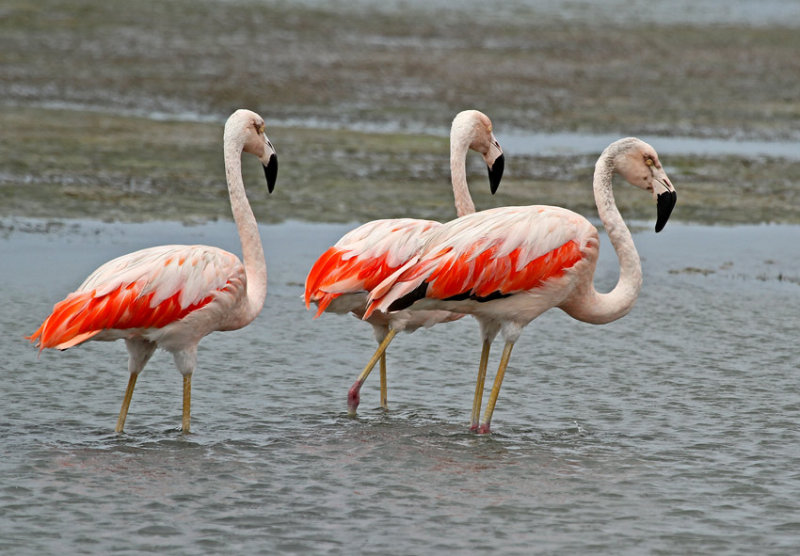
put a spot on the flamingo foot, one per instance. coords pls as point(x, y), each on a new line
point(353, 398)
point(484, 428)
point(473, 427)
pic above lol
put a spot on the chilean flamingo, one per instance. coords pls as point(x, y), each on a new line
point(339, 280)
point(508, 265)
point(172, 296)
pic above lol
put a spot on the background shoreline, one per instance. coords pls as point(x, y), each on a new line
point(114, 110)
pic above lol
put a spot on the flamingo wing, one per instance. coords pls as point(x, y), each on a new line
point(363, 258)
point(150, 288)
point(487, 255)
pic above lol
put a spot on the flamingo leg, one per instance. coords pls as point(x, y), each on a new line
point(126, 402)
point(498, 381)
point(139, 353)
point(187, 402)
point(384, 401)
point(476, 402)
point(353, 398)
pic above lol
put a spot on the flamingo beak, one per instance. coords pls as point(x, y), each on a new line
point(496, 172)
point(665, 204)
point(665, 201)
point(271, 171)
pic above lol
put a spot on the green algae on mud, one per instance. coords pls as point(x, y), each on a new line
point(411, 63)
point(75, 164)
point(100, 165)
point(405, 67)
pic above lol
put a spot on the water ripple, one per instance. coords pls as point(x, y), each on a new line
point(670, 435)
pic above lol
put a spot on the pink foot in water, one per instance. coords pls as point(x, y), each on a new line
point(473, 427)
point(353, 398)
point(484, 428)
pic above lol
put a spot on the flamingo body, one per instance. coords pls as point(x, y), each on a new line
point(172, 296)
point(492, 255)
point(362, 259)
point(342, 277)
point(506, 266)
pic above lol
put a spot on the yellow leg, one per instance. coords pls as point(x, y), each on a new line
point(353, 397)
point(126, 402)
point(377, 355)
point(384, 401)
point(476, 402)
point(187, 402)
point(498, 381)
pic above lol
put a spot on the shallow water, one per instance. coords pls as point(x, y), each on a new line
point(565, 143)
point(673, 430)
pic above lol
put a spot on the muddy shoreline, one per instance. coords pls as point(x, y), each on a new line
point(138, 169)
point(110, 109)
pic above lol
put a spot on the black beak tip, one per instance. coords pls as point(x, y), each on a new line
point(664, 204)
point(496, 173)
point(271, 172)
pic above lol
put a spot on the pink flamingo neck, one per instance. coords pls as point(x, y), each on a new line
point(600, 308)
point(255, 265)
point(459, 147)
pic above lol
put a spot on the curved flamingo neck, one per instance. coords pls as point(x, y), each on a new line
point(255, 266)
point(601, 308)
point(459, 147)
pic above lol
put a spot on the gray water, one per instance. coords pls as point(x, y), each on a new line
point(675, 430)
point(566, 143)
point(688, 12)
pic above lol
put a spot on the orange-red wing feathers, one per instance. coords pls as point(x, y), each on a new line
point(363, 258)
point(495, 252)
point(334, 275)
point(120, 309)
point(150, 288)
point(487, 273)
point(321, 269)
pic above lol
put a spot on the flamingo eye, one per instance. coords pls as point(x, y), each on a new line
point(649, 161)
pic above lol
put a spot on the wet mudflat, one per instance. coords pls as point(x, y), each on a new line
point(106, 108)
point(682, 68)
point(77, 164)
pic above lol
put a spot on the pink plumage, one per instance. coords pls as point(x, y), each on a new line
point(342, 276)
point(493, 253)
point(363, 258)
point(506, 266)
point(143, 291)
point(173, 295)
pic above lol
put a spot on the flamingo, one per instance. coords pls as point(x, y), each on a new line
point(339, 280)
point(171, 296)
point(508, 265)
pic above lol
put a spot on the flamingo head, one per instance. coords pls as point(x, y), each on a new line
point(478, 129)
point(248, 127)
point(638, 163)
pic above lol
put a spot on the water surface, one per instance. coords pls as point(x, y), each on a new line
point(566, 143)
point(673, 430)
